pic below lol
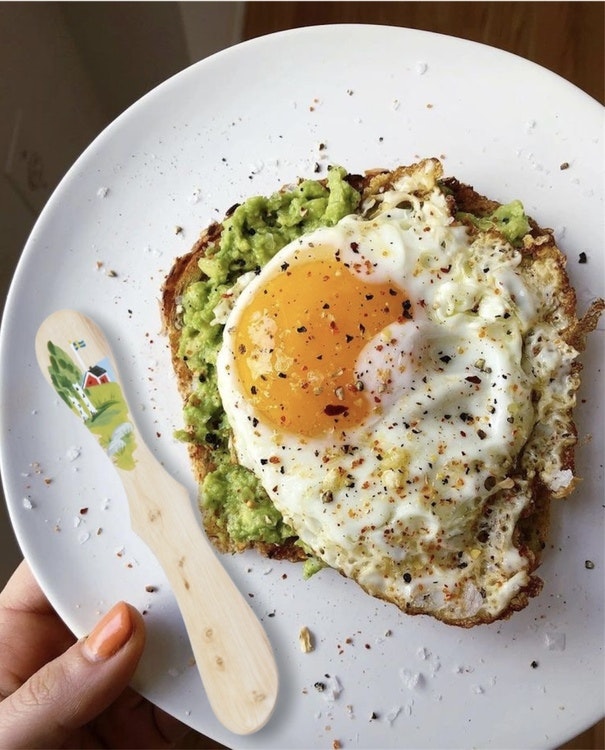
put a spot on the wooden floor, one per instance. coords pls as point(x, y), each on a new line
point(566, 37)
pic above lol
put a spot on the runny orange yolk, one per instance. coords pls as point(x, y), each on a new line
point(299, 338)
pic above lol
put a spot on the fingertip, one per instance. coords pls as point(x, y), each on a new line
point(122, 625)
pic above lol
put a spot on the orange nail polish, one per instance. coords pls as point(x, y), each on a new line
point(109, 634)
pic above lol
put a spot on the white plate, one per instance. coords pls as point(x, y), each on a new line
point(242, 122)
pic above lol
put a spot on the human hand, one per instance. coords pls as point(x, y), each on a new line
point(59, 692)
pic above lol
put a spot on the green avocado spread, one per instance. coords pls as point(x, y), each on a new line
point(510, 220)
point(252, 234)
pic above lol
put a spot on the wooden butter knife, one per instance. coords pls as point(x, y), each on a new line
point(232, 652)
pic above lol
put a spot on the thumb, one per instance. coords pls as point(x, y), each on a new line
point(77, 686)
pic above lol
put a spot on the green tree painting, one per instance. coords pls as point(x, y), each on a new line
point(102, 408)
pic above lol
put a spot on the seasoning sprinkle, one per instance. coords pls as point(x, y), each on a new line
point(335, 410)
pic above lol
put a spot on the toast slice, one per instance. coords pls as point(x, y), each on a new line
point(257, 524)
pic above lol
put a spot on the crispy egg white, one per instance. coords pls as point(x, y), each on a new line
point(378, 380)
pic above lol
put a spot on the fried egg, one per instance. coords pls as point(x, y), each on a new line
point(376, 378)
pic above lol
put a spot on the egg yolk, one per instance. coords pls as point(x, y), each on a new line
point(299, 338)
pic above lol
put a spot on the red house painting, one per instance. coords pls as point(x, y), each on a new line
point(95, 376)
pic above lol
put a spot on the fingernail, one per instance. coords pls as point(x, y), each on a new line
point(109, 634)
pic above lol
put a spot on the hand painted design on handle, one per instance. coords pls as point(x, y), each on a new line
point(92, 391)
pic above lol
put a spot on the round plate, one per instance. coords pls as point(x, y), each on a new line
point(243, 122)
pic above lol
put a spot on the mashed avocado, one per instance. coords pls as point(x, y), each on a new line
point(253, 233)
point(510, 220)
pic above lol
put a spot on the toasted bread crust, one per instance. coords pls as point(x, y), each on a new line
point(532, 530)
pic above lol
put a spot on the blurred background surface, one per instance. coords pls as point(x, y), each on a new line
point(67, 69)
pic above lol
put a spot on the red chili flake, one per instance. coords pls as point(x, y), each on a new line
point(274, 460)
point(334, 410)
point(473, 379)
point(83, 511)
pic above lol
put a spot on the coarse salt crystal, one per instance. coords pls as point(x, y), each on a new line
point(393, 714)
point(435, 666)
point(72, 453)
point(478, 690)
point(462, 669)
point(421, 68)
point(554, 641)
point(411, 680)
point(102, 192)
point(27, 503)
point(83, 537)
point(332, 690)
point(257, 167)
